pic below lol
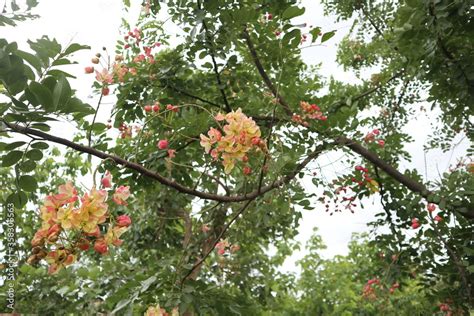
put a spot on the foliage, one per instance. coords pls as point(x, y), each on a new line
point(235, 86)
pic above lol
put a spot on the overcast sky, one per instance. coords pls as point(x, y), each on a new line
point(96, 23)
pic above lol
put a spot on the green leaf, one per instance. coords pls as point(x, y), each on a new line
point(315, 34)
point(74, 47)
point(28, 183)
point(41, 126)
point(28, 166)
point(327, 36)
point(18, 199)
point(99, 127)
point(43, 95)
point(34, 154)
point(292, 12)
point(31, 59)
point(14, 145)
point(11, 158)
point(62, 93)
point(40, 145)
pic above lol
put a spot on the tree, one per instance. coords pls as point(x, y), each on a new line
point(201, 176)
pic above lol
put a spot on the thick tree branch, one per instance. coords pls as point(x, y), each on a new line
point(408, 182)
point(166, 181)
point(411, 184)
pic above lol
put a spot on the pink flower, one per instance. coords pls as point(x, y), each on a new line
point(107, 180)
point(431, 207)
point(415, 223)
point(121, 194)
point(132, 71)
point(171, 153)
point(381, 142)
point(162, 144)
point(139, 58)
point(124, 221)
point(148, 108)
point(376, 132)
point(104, 76)
point(247, 170)
point(438, 218)
point(101, 247)
point(89, 70)
point(219, 117)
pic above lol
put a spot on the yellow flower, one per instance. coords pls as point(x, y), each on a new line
point(239, 137)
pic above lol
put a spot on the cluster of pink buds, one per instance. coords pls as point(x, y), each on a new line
point(373, 136)
point(366, 180)
point(431, 208)
point(125, 131)
point(369, 291)
point(133, 36)
point(308, 112)
point(393, 287)
point(152, 108)
point(111, 74)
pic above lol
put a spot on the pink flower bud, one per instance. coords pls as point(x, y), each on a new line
point(162, 144)
point(101, 247)
point(247, 170)
point(107, 180)
point(89, 70)
point(124, 221)
point(431, 207)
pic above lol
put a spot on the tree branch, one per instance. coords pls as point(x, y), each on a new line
point(220, 85)
point(264, 75)
point(166, 181)
point(198, 264)
point(411, 184)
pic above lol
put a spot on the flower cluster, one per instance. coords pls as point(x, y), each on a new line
point(415, 222)
point(370, 183)
point(158, 311)
point(308, 112)
point(224, 246)
point(68, 228)
point(241, 134)
point(369, 291)
point(114, 73)
point(374, 137)
point(374, 287)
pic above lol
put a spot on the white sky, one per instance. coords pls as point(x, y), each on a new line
point(96, 23)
